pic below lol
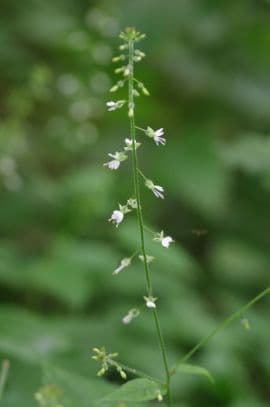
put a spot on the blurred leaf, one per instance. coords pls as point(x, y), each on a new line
point(194, 370)
point(137, 390)
point(202, 179)
point(250, 152)
point(28, 337)
point(76, 389)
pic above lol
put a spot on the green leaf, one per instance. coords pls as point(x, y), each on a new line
point(194, 370)
point(75, 388)
point(137, 390)
point(28, 337)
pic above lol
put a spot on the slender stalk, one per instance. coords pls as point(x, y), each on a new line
point(3, 377)
point(136, 372)
point(221, 326)
point(140, 217)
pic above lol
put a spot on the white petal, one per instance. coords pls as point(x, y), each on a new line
point(127, 319)
point(159, 188)
point(150, 304)
point(166, 241)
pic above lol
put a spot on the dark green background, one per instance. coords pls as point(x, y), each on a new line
point(208, 71)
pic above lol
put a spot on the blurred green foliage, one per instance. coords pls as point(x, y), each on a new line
point(208, 70)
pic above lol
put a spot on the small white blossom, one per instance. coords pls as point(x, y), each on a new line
point(123, 264)
point(117, 159)
point(150, 302)
point(156, 189)
point(149, 259)
point(132, 202)
point(118, 214)
point(111, 106)
point(165, 240)
point(133, 313)
point(117, 217)
point(156, 135)
point(129, 144)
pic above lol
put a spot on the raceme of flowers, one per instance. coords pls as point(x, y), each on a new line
point(117, 158)
point(129, 55)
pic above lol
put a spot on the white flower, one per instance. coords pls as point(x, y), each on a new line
point(133, 313)
point(156, 189)
point(132, 202)
point(118, 214)
point(158, 139)
point(113, 164)
point(156, 135)
point(150, 302)
point(117, 217)
point(149, 259)
point(165, 240)
point(129, 144)
point(124, 263)
point(111, 106)
point(117, 158)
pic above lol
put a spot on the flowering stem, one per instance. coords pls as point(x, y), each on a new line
point(136, 172)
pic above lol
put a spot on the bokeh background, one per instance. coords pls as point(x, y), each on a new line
point(208, 70)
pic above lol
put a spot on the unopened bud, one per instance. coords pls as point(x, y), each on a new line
point(123, 374)
point(119, 70)
point(145, 91)
point(101, 372)
point(159, 397)
point(123, 47)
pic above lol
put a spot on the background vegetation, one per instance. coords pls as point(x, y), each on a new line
point(208, 70)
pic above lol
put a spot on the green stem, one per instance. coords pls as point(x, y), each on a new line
point(142, 174)
point(220, 327)
point(136, 372)
point(140, 218)
point(139, 128)
point(3, 377)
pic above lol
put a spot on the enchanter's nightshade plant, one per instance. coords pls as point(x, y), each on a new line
point(145, 387)
point(135, 88)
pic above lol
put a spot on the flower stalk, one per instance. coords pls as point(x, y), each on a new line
point(139, 210)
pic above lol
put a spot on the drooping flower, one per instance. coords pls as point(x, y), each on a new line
point(150, 302)
point(117, 159)
point(111, 105)
point(129, 144)
point(156, 189)
point(164, 240)
point(118, 214)
point(156, 135)
point(117, 217)
point(133, 313)
point(123, 264)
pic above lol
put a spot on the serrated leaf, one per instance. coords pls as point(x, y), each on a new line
point(137, 390)
point(194, 370)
